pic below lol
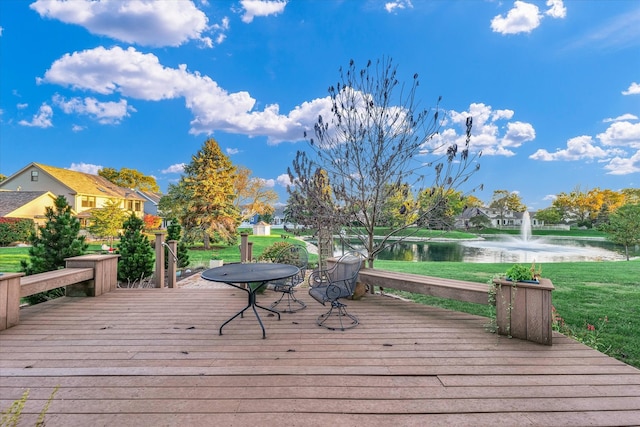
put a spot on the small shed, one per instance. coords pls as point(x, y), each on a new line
point(262, 229)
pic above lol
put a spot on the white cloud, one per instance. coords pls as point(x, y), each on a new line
point(269, 183)
point(487, 134)
point(550, 197)
point(40, 120)
point(104, 112)
point(392, 6)
point(523, 18)
point(77, 128)
point(624, 166)
point(253, 8)
point(283, 180)
point(621, 134)
point(85, 167)
point(144, 22)
point(556, 9)
point(1, 30)
point(141, 76)
point(22, 106)
point(621, 118)
point(232, 151)
point(634, 89)
point(578, 148)
point(175, 168)
point(612, 149)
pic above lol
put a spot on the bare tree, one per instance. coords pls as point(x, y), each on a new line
point(376, 142)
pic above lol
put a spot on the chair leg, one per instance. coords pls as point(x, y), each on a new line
point(291, 304)
point(340, 313)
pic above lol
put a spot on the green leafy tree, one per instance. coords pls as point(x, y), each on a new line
point(550, 215)
point(2, 177)
point(56, 240)
point(623, 227)
point(504, 201)
point(440, 207)
point(106, 222)
point(207, 189)
point(136, 254)
point(174, 232)
point(376, 139)
point(399, 208)
point(130, 178)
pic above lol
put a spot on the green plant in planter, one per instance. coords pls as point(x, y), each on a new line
point(519, 273)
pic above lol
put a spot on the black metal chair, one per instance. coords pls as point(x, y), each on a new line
point(288, 303)
point(333, 284)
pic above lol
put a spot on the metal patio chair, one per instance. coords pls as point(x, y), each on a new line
point(333, 284)
point(288, 303)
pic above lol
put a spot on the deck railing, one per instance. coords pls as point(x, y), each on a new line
point(85, 275)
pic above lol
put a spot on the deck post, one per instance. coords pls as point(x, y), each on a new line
point(159, 274)
point(105, 275)
point(244, 246)
point(523, 310)
point(173, 263)
point(9, 299)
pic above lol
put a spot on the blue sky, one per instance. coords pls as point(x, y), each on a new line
point(553, 86)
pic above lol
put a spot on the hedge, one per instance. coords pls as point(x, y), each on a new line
point(15, 230)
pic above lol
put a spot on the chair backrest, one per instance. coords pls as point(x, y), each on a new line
point(294, 255)
point(346, 271)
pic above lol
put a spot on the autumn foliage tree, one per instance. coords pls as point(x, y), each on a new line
point(151, 222)
point(253, 197)
point(377, 139)
point(130, 178)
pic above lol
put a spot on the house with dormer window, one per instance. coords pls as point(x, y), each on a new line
point(83, 191)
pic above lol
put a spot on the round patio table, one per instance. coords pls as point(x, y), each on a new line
point(260, 273)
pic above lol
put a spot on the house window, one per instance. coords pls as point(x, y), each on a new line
point(88, 202)
point(134, 205)
point(34, 175)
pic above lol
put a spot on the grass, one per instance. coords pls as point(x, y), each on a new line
point(598, 301)
point(604, 296)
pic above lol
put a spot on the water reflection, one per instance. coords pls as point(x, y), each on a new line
point(505, 249)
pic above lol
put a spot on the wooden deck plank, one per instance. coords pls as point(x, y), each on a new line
point(143, 357)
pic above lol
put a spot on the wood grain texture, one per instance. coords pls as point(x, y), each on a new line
point(154, 357)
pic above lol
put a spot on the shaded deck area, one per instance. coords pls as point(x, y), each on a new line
point(154, 357)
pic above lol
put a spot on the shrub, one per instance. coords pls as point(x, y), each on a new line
point(136, 254)
point(15, 230)
point(274, 252)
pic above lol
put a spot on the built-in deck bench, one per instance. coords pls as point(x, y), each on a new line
point(523, 310)
point(86, 275)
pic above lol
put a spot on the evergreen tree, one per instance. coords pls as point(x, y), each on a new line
point(208, 186)
point(56, 240)
point(174, 231)
point(136, 254)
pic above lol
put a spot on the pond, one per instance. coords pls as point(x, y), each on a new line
point(504, 249)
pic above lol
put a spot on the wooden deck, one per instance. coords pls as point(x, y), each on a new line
point(154, 357)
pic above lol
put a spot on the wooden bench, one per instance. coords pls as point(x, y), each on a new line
point(86, 275)
point(477, 293)
point(523, 310)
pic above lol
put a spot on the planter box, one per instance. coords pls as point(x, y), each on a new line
point(213, 263)
point(523, 310)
